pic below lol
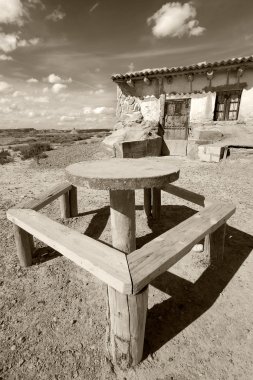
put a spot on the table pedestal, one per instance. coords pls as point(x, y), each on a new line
point(126, 314)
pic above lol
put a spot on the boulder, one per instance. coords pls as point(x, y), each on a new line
point(131, 139)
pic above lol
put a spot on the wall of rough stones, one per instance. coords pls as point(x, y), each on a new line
point(146, 97)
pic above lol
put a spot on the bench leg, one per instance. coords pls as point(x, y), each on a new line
point(73, 201)
point(23, 244)
point(126, 320)
point(214, 245)
point(147, 202)
point(64, 205)
point(156, 210)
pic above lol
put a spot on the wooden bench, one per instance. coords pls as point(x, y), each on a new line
point(127, 276)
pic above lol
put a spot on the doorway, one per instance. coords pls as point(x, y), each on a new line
point(176, 123)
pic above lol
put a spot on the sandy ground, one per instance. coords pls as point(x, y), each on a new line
point(200, 320)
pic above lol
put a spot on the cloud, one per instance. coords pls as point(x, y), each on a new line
point(104, 110)
point(18, 93)
point(12, 12)
point(4, 57)
point(98, 110)
point(56, 15)
point(34, 3)
point(57, 87)
point(175, 20)
point(52, 78)
point(92, 9)
point(4, 86)
point(87, 110)
point(11, 41)
point(8, 42)
point(31, 42)
point(39, 99)
point(32, 80)
point(97, 92)
point(68, 118)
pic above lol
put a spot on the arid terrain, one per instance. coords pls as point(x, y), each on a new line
point(53, 314)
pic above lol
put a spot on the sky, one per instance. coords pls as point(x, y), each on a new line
point(57, 56)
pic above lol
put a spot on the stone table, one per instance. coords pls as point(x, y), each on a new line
point(122, 176)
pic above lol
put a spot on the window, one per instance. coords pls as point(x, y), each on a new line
point(227, 105)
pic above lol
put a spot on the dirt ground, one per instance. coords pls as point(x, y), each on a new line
point(200, 320)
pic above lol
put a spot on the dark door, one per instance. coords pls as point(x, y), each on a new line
point(227, 105)
point(177, 113)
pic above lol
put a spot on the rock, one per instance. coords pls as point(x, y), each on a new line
point(135, 117)
point(198, 248)
point(21, 361)
point(13, 348)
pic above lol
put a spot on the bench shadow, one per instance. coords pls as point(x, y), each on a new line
point(190, 300)
point(42, 254)
point(170, 216)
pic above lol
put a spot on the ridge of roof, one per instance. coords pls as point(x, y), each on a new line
point(168, 70)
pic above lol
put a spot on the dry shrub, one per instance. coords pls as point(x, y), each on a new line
point(5, 157)
point(34, 150)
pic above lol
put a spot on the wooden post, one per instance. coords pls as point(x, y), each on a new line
point(126, 327)
point(156, 209)
point(147, 202)
point(64, 205)
point(122, 211)
point(126, 314)
point(31, 243)
point(73, 201)
point(22, 239)
point(214, 245)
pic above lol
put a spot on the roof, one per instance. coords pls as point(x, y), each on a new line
point(171, 70)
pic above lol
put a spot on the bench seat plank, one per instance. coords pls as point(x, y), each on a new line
point(154, 258)
point(47, 197)
point(188, 195)
point(106, 263)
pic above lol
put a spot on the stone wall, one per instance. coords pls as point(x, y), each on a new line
point(146, 97)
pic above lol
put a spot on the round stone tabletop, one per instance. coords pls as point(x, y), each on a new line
point(123, 173)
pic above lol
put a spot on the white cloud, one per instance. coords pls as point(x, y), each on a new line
point(31, 42)
point(32, 80)
point(175, 20)
point(39, 99)
point(52, 78)
point(8, 42)
point(98, 110)
point(57, 87)
point(18, 93)
point(97, 92)
point(4, 86)
point(4, 57)
point(68, 118)
point(45, 90)
point(92, 9)
point(12, 12)
point(104, 110)
point(87, 110)
point(56, 15)
point(34, 3)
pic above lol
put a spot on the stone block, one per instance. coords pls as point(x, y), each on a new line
point(206, 134)
point(210, 153)
point(137, 149)
point(175, 148)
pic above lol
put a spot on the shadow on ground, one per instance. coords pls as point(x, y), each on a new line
point(188, 300)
